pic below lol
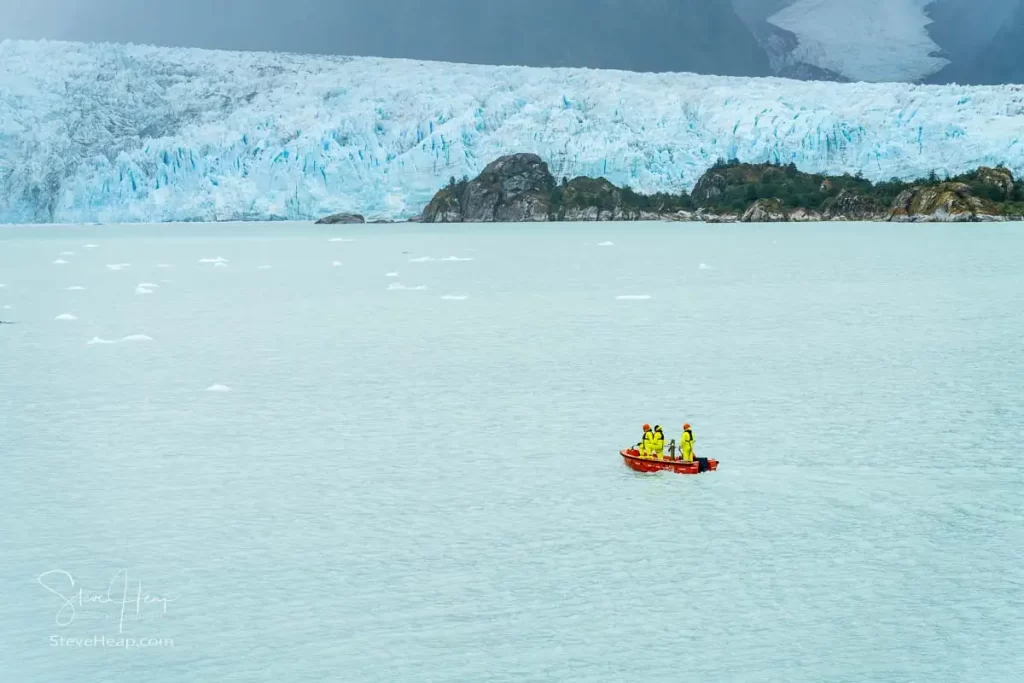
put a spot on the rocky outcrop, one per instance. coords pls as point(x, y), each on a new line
point(949, 202)
point(513, 189)
point(850, 206)
point(341, 219)
point(765, 211)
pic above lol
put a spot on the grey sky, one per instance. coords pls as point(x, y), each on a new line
point(709, 36)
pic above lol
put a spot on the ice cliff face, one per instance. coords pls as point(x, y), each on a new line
point(124, 133)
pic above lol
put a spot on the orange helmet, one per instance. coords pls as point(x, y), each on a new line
point(647, 428)
point(686, 426)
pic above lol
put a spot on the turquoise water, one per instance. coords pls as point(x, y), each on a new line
point(405, 487)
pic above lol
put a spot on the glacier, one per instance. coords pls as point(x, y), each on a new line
point(129, 133)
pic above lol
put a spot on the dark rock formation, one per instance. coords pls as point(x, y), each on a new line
point(850, 206)
point(945, 203)
point(341, 218)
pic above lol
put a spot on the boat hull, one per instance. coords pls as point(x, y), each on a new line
point(639, 464)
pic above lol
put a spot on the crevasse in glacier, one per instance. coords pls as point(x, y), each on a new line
point(131, 133)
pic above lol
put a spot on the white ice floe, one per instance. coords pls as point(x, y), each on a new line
point(219, 259)
point(59, 262)
point(398, 286)
point(65, 316)
point(606, 244)
point(89, 246)
point(390, 274)
point(149, 285)
point(136, 338)
point(220, 265)
point(456, 259)
point(335, 264)
point(219, 388)
point(705, 266)
point(76, 288)
point(339, 239)
point(420, 259)
point(7, 307)
point(633, 297)
point(98, 340)
point(67, 253)
point(143, 290)
point(454, 297)
point(264, 267)
point(117, 266)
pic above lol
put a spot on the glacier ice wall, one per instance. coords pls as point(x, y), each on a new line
point(115, 133)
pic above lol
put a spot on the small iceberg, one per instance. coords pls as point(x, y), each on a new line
point(606, 244)
point(97, 340)
point(220, 265)
point(219, 259)
point(7, 307)
point(137, 338)
point(390, 274)
point(89, 246)
point(335, 264)
point(633, 297)
point(398, 286)
point(143, 290)
point(65, 316)
point(117, 266)
point(420, 259)
point(456, 259)
point(339, 239)
point(149, 285)
point(219, 388)
point(59, 262)
point(705, 266)
point(454, 297)
point(67, 253)
point(264, 267)
point(76, 288)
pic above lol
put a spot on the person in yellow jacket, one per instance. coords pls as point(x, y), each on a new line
point(658, 443)
point(647, 443)
point(686, 443)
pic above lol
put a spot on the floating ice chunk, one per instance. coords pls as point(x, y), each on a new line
point(218, 388)
point(335, 264)
point(339, 239)
point(59, 262)
point(98, 340)
point(606, 244)
point(67, 253)
point(398, 286)
point(149, 285)
point(264, 267)
point(137, 337)
point(705, 266)
point(76, 288)
point(454, 259)
point(7, 307)
point(219, 259)
point(420, 259)
point(390, 274)
point(89, 246)
point(454, 297)
point(633, 297)
point(65, 316)
point(143, 290)
point(117, 266)
point(220, 265)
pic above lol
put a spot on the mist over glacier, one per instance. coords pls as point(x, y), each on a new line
point(116, 133)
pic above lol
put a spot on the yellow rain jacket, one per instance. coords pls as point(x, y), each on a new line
point(658, 443)
point(647, 447)
point(686, 445)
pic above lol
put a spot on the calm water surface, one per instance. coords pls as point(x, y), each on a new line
point(423, 484)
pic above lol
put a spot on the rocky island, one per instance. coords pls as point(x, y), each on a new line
point(520, 187)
